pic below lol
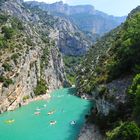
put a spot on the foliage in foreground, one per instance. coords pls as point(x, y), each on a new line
point(126, 131)
point(134, 92)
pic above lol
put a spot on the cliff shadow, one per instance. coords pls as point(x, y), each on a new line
point(74, 130)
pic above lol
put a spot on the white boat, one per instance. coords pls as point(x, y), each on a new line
point(51, 112)
point(37, 113)
point(53, 122)
point(38, 109)
point(73, 122)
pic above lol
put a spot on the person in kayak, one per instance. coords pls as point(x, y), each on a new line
point(73, 122)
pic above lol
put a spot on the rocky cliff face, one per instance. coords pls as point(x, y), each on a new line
point(114, 96)
point(70, 40)
point(28, 55)
point(85, 17)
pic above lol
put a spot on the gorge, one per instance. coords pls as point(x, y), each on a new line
point(46, 47)
point(38, 126)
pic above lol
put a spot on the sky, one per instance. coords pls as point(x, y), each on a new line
point(112, 7)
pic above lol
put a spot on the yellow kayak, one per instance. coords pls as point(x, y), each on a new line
point(10, 121)
point(51, 112)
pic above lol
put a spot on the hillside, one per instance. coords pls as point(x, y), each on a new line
point(110, 73)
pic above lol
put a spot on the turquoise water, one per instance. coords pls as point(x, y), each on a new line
point(28, 126)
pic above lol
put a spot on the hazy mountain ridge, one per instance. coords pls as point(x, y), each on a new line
point(60, 7)
point(86, 17)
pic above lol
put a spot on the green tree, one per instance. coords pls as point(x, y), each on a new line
point(126, 131)
point(8, 32)
point(41, 87)
point(137, 106)
point(134, 91)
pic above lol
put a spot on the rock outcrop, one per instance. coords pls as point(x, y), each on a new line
point(90, 132)
point(116, 95)
point(69, 39)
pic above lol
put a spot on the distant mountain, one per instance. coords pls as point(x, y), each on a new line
point(69, 39)
point(86, 17)
point(78, 29)
point(60, 7)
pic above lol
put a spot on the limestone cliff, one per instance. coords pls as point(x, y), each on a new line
point(70, 40)
point(85, 17)
point(108, 97)
point(27, 54)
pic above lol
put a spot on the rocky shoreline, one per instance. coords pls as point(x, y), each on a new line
point(90, 132)
point(40, 97)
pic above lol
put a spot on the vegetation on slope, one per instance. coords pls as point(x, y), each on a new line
point(11, 32)
point(17, 40)
point(71, 64)
point(41, 87)
point(126, 131)
point(115, 56)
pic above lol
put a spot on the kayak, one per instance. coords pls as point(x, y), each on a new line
point(52, 122)
point(10, 121)
point(51, 112)
point(37, 113)
point(73, 122)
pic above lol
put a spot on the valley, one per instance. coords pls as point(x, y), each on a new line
point(87, 61)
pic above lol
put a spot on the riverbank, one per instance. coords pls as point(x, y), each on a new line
point(27, 101)
point(40, 97)
point(90, 132)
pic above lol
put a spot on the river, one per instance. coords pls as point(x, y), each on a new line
point(27, 126)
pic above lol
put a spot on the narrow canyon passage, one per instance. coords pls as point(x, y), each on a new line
point(63, 108)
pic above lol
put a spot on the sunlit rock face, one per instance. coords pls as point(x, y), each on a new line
point(28, 57)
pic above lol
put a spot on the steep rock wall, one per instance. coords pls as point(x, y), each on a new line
point(27, 58)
